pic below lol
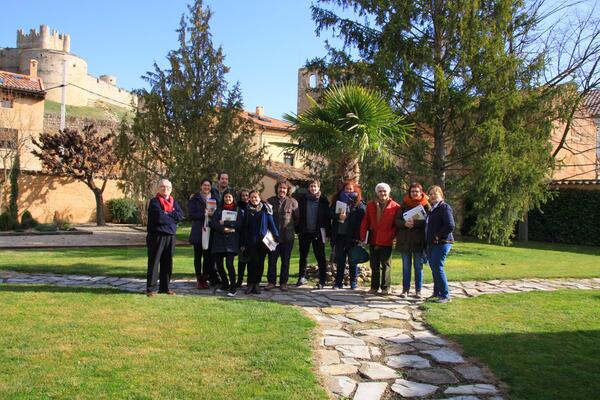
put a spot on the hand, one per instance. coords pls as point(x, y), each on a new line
point(409, 224)
point(221, 222)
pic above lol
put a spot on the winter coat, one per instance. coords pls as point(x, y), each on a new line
point(439, 225)
point(226, 242)
point(250, 237)
point(354, 218)
point(323, 218)
point(410, 240)
point(382, 232)
point(286, 216)
point(162, 222)
point(197, 213)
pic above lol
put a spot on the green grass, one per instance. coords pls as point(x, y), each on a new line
point(100, 344)
point(108, 112)
point(544, 345)
point(467, 261)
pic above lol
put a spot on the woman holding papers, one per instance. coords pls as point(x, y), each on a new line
point(258, 236)
point(226, 223)
point(314, 228)
point(347, 211)
point(410, 236)
point(438, 236)
point(242, 261)
point(201, 207)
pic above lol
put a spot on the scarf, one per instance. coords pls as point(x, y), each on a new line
point(315, 196)
point(229, 207)
point(166, 205)
point(348, 198)
point(253, 210)
point(412, 203)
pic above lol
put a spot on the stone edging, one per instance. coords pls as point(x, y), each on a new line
point(371, 347)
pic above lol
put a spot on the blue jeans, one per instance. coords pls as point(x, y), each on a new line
point(437, 255)
point(408, 260)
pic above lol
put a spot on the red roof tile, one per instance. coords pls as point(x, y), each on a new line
point(279, 170)
point(592, 102)
point(12, 81)
point(268, 122)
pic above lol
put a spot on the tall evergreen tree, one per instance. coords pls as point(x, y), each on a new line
point(464, 74)
point(191, 124)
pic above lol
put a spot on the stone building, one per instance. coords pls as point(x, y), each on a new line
point(52, 50)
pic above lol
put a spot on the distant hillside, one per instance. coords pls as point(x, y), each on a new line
point(102, 111)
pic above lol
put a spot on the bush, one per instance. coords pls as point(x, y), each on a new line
point(62, 221)
point(7, 222)
point(46, 228)
point(571, 217)
point(123, 211)
point(27, 221)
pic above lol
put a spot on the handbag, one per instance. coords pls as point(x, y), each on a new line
point(205, 235)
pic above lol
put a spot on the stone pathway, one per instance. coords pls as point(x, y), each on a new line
point(370, 347)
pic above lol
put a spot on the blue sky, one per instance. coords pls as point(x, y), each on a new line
point(264, 41)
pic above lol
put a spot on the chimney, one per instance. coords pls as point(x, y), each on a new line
point(260, 111)
point(33, 68)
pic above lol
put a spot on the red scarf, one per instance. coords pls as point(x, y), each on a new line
point(412, 203)
point(229, 207)
point(166, 205)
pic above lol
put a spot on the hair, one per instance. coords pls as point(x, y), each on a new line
point(383, 185)
point(415, 185)
point(285, 182)
point(254, 191)
point(315, 181)
point(437, 189)
point(242, 190)
point(356, 188)
point(161, 180)
point(222, 173)
point(205, 180)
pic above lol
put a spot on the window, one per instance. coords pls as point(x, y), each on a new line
point(8, 138)
point(288, 159)
point(6, 102)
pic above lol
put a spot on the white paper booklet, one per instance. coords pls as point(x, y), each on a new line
point(415, 213)
point(269, 241)
point(340, 207)
point(229, 215)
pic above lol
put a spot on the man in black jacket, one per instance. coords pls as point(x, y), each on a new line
point(163, 215)
point(314, 228)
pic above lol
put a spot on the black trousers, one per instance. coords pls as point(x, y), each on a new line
point(381, 267)
point(160, 257)
point(226, 258)
point(283, 251)
point(256, 262)
point(203, 262)
point(315, 239)
point(241, 270)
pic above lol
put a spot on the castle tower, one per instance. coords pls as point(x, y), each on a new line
point(310, 83)
point(44, 39)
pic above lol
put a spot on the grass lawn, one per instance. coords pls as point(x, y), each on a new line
point(101, 344)
point(467, 261)
point(544, 345)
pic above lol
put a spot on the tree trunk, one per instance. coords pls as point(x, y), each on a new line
point(349, 170)
point(99, 207)
point(439, 149)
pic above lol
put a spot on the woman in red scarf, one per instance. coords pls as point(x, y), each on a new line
point(163, 215)
point(410, 236)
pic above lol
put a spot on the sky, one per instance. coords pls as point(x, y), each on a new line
point(264, 41)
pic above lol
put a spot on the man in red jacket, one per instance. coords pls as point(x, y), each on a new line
point(379, 222)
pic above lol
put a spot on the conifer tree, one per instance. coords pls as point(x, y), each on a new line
point(191, 124)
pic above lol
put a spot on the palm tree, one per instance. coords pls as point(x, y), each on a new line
point(348, 122)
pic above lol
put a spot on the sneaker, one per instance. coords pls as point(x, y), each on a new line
point(418, 294)
point(372, 291)
point(223, 289)
point(386, 291)
point(232, 293)
point(302, 281)
point(404, 294)
point(444, 300)
point(269, 286)
point(284, 287)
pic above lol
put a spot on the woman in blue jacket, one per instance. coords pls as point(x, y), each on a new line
point(225, 224)
point(438, 235)
point(198, 212)
point(258, 220)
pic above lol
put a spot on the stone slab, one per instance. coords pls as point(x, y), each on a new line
point(339, 369)
point(481, 388)
point(370, 390)
point(376, 371)
point(435, 376)
point(407, 361)
point(340, 385)
point(445, 355)
point(407, 388)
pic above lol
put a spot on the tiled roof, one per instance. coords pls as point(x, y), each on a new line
point(268, 122)
point(561, 182)
point(12, 81)
point(592, 102)
point(279, 170)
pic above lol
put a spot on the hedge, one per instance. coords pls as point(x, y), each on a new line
point(573, 216)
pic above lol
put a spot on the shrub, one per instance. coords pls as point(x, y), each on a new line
point(27, 221)
point(123, 211)
point(46, 228)
point(62, 221)
point(570, 217)
point(7, 222)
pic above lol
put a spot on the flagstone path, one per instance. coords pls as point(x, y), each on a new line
point(370, 347)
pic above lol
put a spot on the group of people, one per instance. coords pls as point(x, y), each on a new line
point(226, 224)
